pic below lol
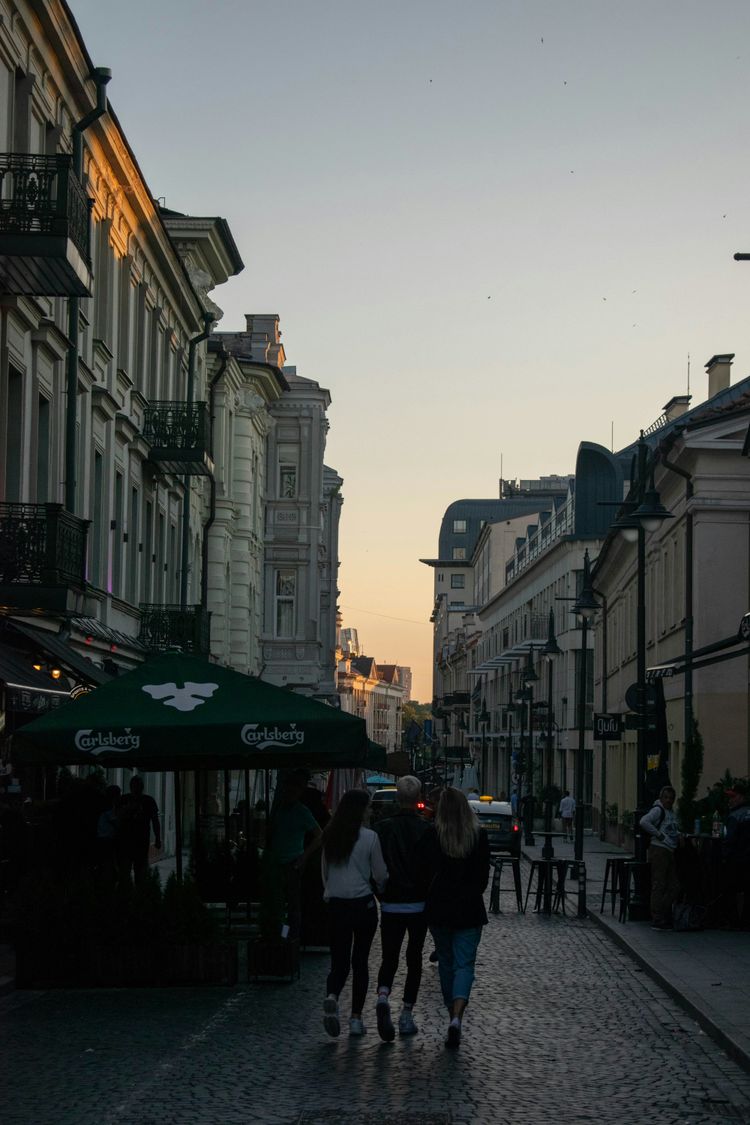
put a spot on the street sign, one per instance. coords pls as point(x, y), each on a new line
point(607, 727)
point(631, 696)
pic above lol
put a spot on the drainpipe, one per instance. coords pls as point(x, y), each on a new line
point(224, 357)
point(208, 319)
point(687, 477)
point(101, 76)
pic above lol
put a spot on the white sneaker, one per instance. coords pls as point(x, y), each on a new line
point(406, 1024)
point(356, 1027)
point(331, 1016)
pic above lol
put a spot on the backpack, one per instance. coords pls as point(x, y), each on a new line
point(659, 822)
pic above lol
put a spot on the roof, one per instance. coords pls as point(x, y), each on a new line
point(58, 646)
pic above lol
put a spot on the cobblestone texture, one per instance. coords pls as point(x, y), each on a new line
point(562, 1026)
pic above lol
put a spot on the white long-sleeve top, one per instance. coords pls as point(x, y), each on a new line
point(364, 867)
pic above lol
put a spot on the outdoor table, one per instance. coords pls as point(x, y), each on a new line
point(703, 879)
point(548, 853)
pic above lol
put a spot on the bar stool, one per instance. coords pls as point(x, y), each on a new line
point(543, 869)
point(614, 873)
point(632, 869)
point(496, 889)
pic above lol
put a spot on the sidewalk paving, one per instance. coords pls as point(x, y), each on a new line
point(706, 972)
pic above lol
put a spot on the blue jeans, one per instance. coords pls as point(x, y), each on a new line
point(457, 954)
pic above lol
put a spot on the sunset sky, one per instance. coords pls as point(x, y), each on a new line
point(492, 229)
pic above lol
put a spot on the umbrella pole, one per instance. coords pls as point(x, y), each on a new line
point(178, 824)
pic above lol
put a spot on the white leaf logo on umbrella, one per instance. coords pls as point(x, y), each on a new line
point(186, 698)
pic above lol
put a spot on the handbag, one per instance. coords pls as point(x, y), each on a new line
point(687, 916)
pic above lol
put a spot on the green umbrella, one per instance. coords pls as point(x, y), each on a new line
point(177, 712)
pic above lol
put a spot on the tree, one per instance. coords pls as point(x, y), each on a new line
point(691, 770)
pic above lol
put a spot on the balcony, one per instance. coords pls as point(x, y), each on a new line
point(42, 557)
point(186, 628)
point(44, 227)
point(178, 433)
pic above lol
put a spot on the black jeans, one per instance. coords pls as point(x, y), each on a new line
point(353, 925)
point(393, 927)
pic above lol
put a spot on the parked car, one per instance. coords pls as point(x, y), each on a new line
point(384, 803)
point(502, 828)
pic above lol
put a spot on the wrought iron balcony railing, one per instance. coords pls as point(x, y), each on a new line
point(45, 228)
point(172, 626)
point(178, 433)
point(42, 554)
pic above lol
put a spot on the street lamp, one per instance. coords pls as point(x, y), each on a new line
point(648, 516)
point(585, 607)
point(529, 678)
point(549, 652)
point(483, 720)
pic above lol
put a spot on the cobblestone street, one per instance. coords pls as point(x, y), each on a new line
point(559, 1017)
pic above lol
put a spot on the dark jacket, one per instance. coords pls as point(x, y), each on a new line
point(736, 843)
point(402, 840)
point(454, 899)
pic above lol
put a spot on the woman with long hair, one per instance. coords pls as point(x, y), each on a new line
point(455, 906)
point(352, 866)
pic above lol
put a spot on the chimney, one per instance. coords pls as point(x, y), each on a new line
point(718, 368)
point(676, 406)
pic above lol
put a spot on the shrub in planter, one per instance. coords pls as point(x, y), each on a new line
point(83, 930)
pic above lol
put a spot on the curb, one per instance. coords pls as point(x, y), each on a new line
point(737, 1053)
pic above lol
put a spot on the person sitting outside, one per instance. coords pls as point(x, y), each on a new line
point(735, 849)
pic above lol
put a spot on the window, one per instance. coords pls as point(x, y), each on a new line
point(96, 537)
point(459, 554)
point(287, 481)
point(286, 589)
point(458, 581)
point(116, 587)
point(459, 527)
point(42, 451)
point(457, 605)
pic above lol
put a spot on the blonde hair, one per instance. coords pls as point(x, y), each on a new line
point(456, 825)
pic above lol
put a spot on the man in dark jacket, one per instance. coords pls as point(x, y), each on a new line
point(736, 855)
point(402, 905)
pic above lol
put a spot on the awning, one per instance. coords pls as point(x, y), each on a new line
point(178, 712)
point(27, 690)
point(58, 647)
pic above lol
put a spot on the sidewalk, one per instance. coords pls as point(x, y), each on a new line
point(707, 973)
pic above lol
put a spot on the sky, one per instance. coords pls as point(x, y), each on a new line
point(492, 229)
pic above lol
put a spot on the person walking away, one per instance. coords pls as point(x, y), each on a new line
point(292, 824)
point(352, 864)
point(106, 834)
point(402, 906)
point(455, 906)
point(660, 824)
point(138, 815)
point(567, 813)
point(735, 850)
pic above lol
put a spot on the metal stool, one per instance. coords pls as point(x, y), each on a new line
point(614, 873)
point(632, 869)
point(575, 870)
point(497, 890)
point(544, 869)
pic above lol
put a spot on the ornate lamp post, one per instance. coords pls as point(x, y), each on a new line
point(529, 678)
point(633, 525)
point(483, 720)
point(585, 607)
point(549, 652)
